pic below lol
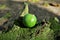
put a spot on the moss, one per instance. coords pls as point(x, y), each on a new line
point(19, 33)
point(37, 33)
point(55, 25)
point(2, 6)
point(8, 15)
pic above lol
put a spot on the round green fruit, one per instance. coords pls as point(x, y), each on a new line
point(29, 20)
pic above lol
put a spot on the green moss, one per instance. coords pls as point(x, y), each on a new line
point(18, 33)
point(8, 15)
point(2, 6)
point(55, 25)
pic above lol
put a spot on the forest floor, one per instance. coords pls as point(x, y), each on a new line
point(48, 27)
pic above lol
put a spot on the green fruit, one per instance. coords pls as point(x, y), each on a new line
point(29, 20)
